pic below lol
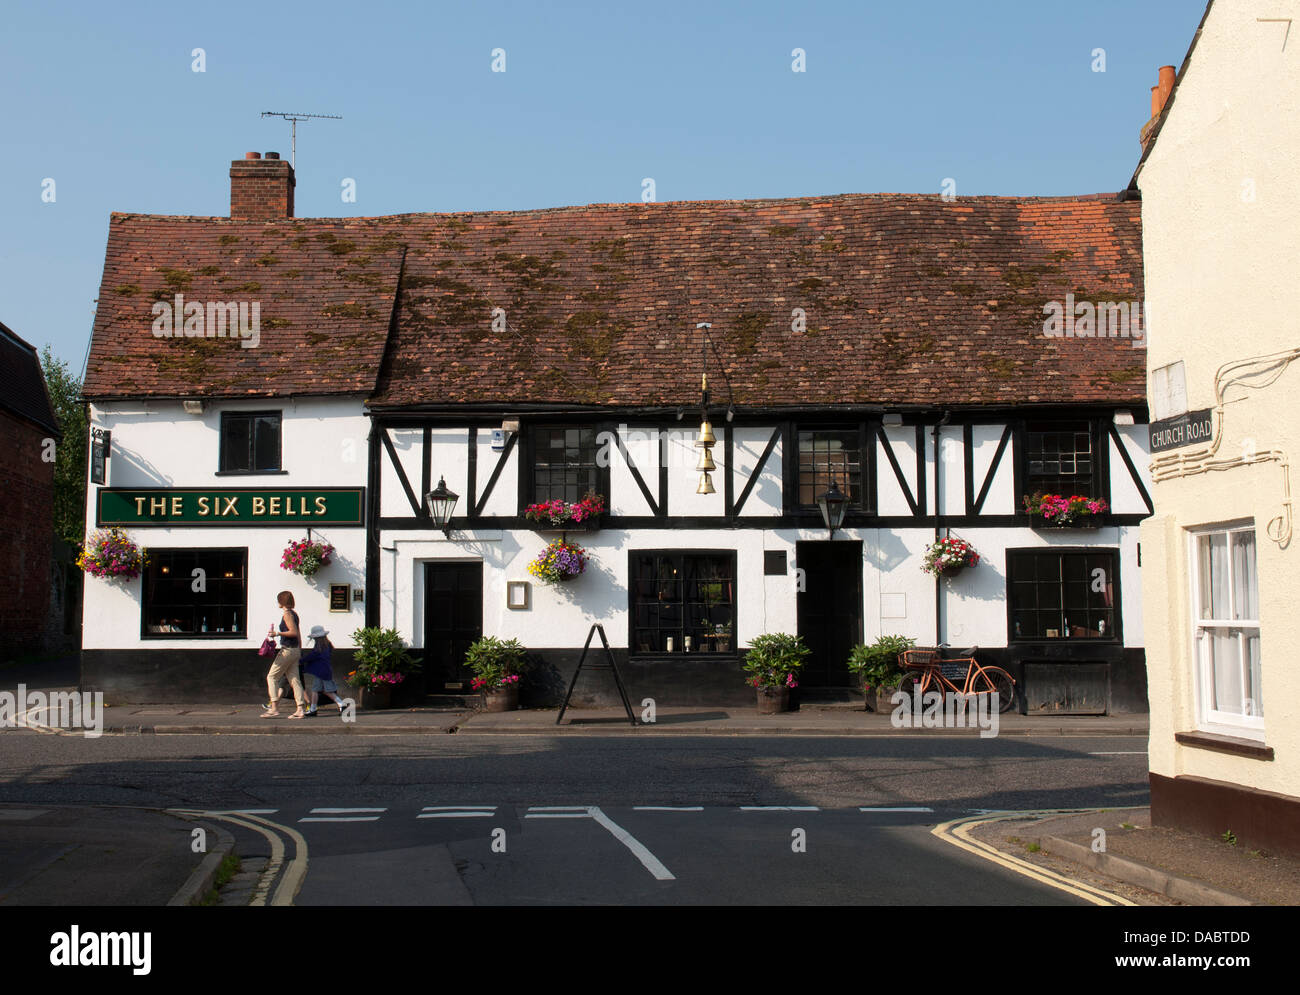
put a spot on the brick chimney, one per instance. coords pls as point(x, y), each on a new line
point(261, 189)
point(1159, 97)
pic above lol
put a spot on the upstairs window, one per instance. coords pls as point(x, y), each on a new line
point(250, 442)
point(1060, 458)
point(564, 464)
point(826, 456)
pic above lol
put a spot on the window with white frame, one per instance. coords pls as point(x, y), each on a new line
point(1225, 612)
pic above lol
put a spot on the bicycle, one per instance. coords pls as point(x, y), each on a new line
point(978, 679)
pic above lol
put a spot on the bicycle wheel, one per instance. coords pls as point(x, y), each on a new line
point(995, 679)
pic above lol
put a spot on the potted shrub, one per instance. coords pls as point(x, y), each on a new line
point(949, 557)
point(110, 553)
point(305, 556)
point(558, 562)
point(878, 670)
point(497, 664)
point(1057, 511)
point(382, 663)
point(772, 662)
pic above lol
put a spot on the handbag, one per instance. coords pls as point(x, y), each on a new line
point(267, 648)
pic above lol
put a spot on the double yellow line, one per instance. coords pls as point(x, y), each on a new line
point(295, 871)
point(958, 833)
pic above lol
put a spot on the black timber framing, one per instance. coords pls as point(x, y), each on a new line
point(1132, 470)
point(912, 501)
point(785, 430)
point(476, 510)
point(401, 472)
point(471, 472)
point(654, 506)
point(777, 433)
point(978, 504)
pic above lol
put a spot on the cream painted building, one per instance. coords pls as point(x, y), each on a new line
point(1220, 567)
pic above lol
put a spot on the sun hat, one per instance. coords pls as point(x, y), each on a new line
point(317, 632)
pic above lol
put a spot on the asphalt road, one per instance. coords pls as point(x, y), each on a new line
point(524, 820)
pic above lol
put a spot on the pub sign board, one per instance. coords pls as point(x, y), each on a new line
point(1185, 430)
point(101, 443)
point(230, 506)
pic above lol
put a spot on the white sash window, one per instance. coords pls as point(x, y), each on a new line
point(1225, 612)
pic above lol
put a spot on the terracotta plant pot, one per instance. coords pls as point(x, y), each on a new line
point(504, 699)
point(773, 700)
point(373, 699)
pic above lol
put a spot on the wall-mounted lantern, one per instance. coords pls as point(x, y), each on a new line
point(441, 503)
point(833, 504)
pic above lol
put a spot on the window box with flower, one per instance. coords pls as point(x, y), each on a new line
point(1056, 511)
point(559, 515)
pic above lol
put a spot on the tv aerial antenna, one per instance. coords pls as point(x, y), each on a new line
point(294, 117)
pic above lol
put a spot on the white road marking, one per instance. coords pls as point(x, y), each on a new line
point(648, 859)
point(667, 808)
point(557, 808)
point(342, 811)
point(1121, 753)
point(556, 815)
point(779, 808)
point(245, 811)
point(903, 808)
point(455, 815)
point(342, 818)
point(456, 808)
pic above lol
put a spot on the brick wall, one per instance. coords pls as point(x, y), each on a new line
point(261, 189)
point(26, 536)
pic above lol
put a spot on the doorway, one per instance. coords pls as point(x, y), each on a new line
point(453, 620)
point(830, 610)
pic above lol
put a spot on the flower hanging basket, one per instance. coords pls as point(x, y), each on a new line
point(304, 557)
point(559, 561)
point(110, 553)
point(949, 557)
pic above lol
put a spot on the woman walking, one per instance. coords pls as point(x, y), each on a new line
point(317, 671)
point(285, 666)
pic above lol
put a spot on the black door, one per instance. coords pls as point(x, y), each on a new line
point(453, 619)
point(830, 610)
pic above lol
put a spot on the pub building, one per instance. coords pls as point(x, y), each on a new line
point(875, 374)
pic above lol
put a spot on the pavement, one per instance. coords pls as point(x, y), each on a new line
point(827, 720)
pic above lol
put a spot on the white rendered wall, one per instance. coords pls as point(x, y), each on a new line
point(155, 444)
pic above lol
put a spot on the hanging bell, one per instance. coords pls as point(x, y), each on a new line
point(706, 460)
point(707, 438)
point(706, 484)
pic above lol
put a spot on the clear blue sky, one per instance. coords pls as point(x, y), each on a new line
point(101, 97)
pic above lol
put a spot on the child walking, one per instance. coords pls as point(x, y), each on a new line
point(317, 671)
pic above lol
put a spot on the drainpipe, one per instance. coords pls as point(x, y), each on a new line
point(938, 514)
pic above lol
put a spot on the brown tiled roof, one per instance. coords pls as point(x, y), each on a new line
point(909, 300)
point(22, 382)
point(326, 302)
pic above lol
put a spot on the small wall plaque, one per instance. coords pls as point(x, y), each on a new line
point(340, 597)
point(518, 595)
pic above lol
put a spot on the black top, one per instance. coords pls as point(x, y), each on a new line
point(289, 642)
